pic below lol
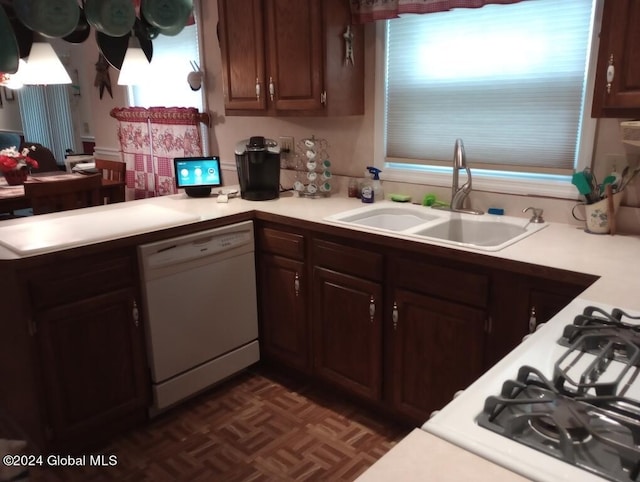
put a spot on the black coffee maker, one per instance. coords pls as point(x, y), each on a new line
point(258, 164)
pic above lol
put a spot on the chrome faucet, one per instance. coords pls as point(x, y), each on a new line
point(460, 194)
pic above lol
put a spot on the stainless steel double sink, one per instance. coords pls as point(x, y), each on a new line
point(487, 232)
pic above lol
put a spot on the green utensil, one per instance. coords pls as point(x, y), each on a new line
point(582, 182)
point(607, 180)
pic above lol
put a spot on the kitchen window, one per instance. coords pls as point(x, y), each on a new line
point(174, 57)
point(511, 80)
point(166, 85)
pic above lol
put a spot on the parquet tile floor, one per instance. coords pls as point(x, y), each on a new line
point(258, 426)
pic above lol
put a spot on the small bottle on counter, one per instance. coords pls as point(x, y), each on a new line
point(376, 184)
point(352, 190)
point(366, 191)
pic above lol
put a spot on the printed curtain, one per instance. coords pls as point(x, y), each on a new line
point(149, 140)
point(363, 11)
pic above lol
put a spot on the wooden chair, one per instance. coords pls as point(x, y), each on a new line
point(50, 197)
point(46, 160)
point(113, 173)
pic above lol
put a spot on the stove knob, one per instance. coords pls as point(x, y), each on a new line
point(433, 414)
point(457, 394)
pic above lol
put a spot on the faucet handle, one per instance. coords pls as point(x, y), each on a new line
point(536, 217)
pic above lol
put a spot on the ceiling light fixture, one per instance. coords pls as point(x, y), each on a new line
point(135, 66)
point(43, 67)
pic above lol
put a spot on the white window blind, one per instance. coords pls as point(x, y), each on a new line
point(507, 79)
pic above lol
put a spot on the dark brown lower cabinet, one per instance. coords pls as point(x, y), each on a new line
point(520, 303)
point(399, 327)
point(93, 366)
point(78, 339)
point(437, 349)
point(283, 302)
point(347, 321)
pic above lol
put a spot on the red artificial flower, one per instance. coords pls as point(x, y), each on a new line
point(12, 160)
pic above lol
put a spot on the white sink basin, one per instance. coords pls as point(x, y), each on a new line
point(470, 231)
point(391, 218)
point(484, 232)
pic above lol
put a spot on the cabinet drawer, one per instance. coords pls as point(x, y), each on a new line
point(455, 284)
point(284, 243)
point(69, 281)
point(348, 260)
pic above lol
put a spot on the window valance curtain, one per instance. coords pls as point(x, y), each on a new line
point(149, 140)
point(363, 11)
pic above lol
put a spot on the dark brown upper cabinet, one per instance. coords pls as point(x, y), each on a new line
point(288, 57)
point(617, 85)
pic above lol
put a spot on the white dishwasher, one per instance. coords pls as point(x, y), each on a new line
point(200, 310)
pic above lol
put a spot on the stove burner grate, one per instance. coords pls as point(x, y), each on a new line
point(594, 320)
point(531, 410)
point(606, 349)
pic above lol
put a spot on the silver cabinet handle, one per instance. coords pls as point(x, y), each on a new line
point(257, 88)
point(33, 329)
point(323, 97)
point(488, 325)
point(533, 320)
point(394, 316)
point(372, 308)
point(296, 284)
point(272, 88)
point(136, 314)
point(611, 72)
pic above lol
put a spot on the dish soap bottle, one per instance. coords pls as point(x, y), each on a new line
point(366, 189)
point(376, 184)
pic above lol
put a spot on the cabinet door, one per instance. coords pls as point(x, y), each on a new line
point(347, 321)
point(241, 36)
point(545, 303)
point(283, 298)
point(437, 349)
point(619, 50)
point(295, 54)
point(93, 365)
point(519, 303)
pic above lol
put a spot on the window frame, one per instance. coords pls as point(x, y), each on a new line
point(492, 181)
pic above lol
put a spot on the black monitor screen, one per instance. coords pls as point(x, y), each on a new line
point(197, 171)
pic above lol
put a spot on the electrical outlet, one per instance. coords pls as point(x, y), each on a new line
point(286, 145)
point(614, 162)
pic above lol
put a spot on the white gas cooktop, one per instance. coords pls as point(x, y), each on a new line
point(458, 421)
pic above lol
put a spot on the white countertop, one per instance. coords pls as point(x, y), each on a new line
point(563, 246)
point(612, 258)
point(421, 456)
